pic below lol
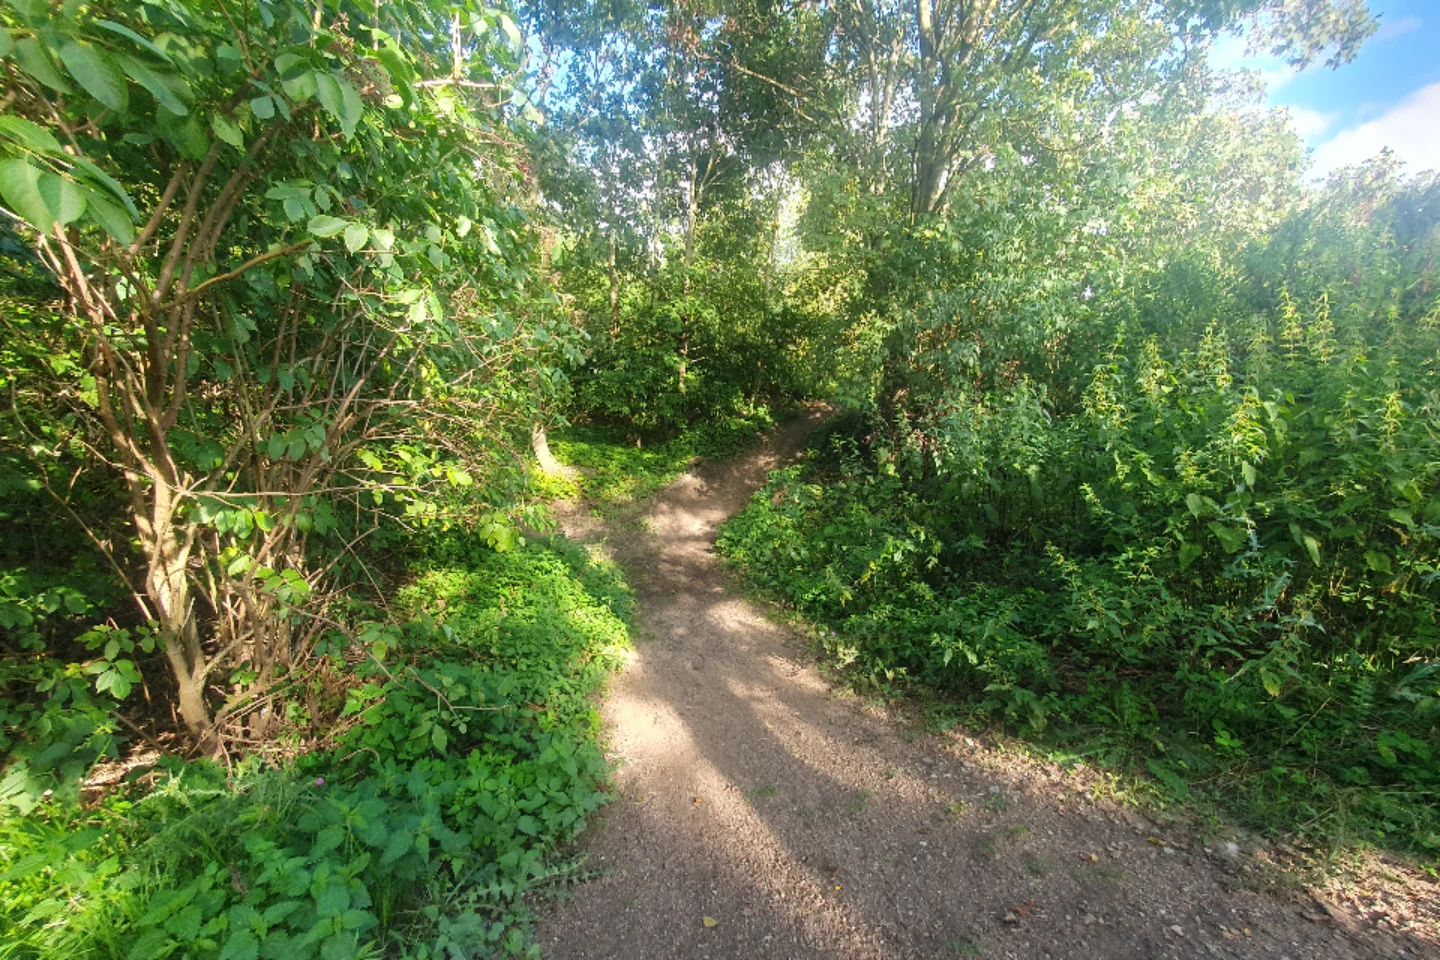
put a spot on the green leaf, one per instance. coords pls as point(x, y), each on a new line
point(355, 236)
point(1270, 682)
point(1249, 472)
point(300, 87)
point(6, 44)
point(1377, 561)
point(1311, 545)
point(326, 226)
point(439, 737)
point(263, 107)
point(528, 825)
point(339, 947)
point(242, 945)
point(1189, 553)
point(276, 447)
point(35, 60)
point(227, 130)
point(353, 105)
point(512, 33)
point(111, 218)
point(129, 34)
point(276, 912)
point(20, 189)
point(108, 182)
point(1231, 538)
point(340, 99)
point(139, 71)
point(186, 133)
point(1196, 503)
point(29, 135)
point(96, 73)
point(64, 197)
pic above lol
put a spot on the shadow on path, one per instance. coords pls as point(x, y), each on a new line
point(751, 793)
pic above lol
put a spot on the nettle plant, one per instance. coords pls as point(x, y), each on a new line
point(301, 285)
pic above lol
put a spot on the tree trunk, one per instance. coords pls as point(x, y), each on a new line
point(167, 583)
point(548, 464)
point(614, 290)
point(691, 201)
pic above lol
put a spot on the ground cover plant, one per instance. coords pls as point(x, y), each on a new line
point(613, 469)
point(1216, 563)
point(1133, 449)
point(463, 755)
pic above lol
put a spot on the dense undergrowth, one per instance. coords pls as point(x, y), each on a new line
point(1144, 462)
point(613, 470)
point(1214, 561)
point(463, 754)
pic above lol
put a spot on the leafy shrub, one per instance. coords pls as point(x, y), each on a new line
point(1218, 560)
point(615, 471)
point(467, 758)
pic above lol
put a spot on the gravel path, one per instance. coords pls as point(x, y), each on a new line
point(762, 814)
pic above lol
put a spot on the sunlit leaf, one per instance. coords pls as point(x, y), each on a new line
point(93, 69)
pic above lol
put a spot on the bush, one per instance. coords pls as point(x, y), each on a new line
point(467, 758)
point(615, 471)
point(1219, 562)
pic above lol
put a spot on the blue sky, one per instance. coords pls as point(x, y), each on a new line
point(1389, 96)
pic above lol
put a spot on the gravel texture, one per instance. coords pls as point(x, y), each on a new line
point(759, 813)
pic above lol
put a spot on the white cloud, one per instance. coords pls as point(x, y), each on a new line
point(1232, 53)
point(1310, 124)
point(1411, 128)
point(1397, 28)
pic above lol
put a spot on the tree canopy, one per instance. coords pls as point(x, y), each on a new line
point(1134, 426)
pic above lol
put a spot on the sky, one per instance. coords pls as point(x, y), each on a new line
point(1389, 96)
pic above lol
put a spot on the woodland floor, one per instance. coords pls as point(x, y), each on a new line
point(806, 823)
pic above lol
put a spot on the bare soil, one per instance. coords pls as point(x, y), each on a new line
point(761, 813)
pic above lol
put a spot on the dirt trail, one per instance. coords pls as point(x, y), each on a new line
point(752, 793)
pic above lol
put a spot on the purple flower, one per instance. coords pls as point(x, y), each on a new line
point(319, 781)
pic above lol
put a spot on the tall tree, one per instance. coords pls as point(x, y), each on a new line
point(293, 270)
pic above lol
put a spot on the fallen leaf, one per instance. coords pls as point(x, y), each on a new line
point(1089, 858)
point(1156, 840)
point(708, 921)
point(697, 800)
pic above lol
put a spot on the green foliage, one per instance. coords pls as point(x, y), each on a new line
point(1216, 561)
point(615, 471)
point(467, 757)
point(276, 347)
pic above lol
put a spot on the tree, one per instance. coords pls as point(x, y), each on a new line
point(961, 76)
point(292, 261)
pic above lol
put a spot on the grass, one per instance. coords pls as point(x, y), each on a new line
point(995, 802)
point(425, 803)
point(615, 471)
point(969, 948)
